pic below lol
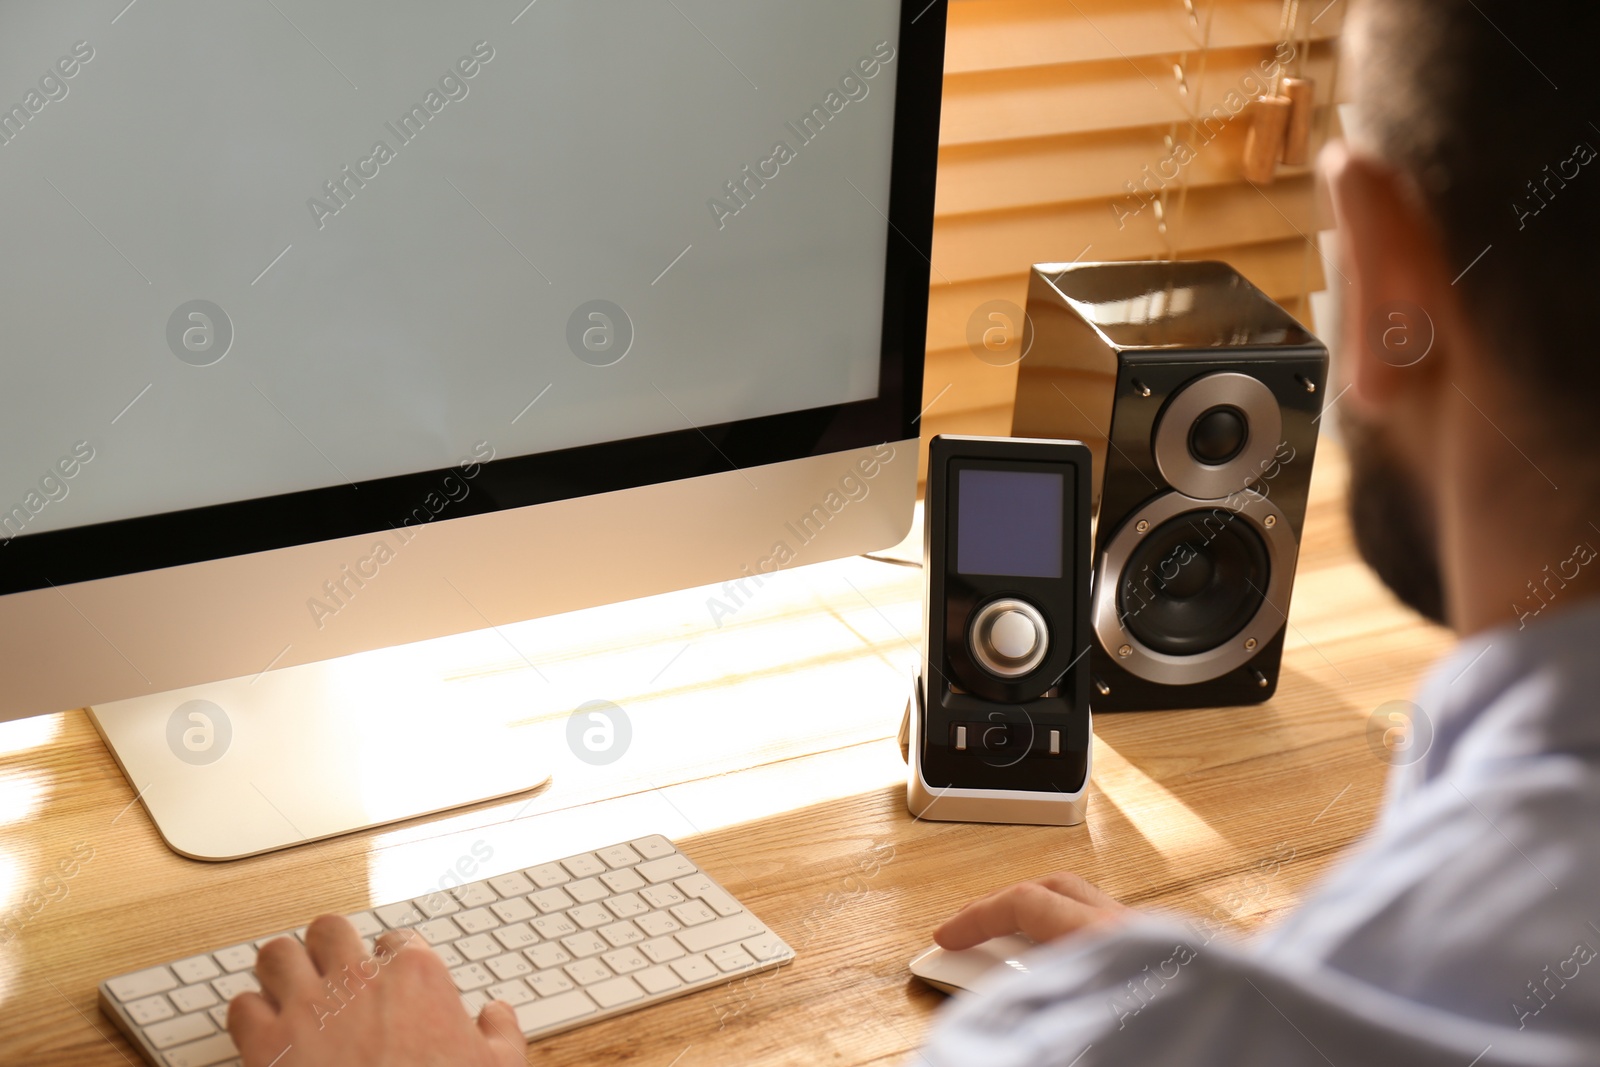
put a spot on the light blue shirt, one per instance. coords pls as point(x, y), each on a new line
point(1465, 932)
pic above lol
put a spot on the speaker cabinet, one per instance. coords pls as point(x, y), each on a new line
point(1198, 397)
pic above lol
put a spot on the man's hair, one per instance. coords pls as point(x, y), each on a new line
point(1487, 106)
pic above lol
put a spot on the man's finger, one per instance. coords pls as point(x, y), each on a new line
point(1078, 887)
point(285, 971)
point(1030, 909)
point(336, 948)
point(498, 1024)
point(252, 1023)
point(391, 943)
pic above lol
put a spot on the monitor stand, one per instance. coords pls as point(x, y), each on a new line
point(249, 765)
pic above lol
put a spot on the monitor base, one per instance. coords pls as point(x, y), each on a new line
point(251, 765)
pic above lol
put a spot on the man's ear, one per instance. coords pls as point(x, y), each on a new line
point(1397, 299)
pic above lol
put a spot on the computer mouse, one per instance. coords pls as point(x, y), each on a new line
point(953, 972)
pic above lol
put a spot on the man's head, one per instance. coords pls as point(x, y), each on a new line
point(1468, 202)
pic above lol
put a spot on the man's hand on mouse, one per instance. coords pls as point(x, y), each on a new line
point(335, 1005)
point(1042, 910)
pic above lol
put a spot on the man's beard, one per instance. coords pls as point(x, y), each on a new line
point(1394, 531)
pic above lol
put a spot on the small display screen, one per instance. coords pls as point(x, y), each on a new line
point(1010, 523)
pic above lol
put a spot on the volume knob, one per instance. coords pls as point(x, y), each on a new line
point(1009, 638)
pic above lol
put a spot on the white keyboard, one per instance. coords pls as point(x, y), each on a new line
point(566, 943)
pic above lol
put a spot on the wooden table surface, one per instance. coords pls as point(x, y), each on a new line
point(765, 747)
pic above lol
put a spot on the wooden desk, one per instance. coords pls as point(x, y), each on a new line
point(766, 747)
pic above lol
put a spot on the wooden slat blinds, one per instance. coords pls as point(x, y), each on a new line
point(1063, 121)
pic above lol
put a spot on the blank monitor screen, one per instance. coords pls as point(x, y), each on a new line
point(256, 249)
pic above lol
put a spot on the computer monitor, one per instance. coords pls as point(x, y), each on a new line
point(333, 329)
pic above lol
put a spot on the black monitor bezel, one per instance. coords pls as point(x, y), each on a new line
point(147, 543)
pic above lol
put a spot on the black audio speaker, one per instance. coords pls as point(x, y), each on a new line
point(1198, 397)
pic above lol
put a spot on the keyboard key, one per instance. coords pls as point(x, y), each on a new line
point(627, 905)
point(700, 938)
point(668, 867)
point(513, 992)
point(700, 887)
point(551, 927)
point(448, 953)
point(587, 972)
point(658, 980)
point(585, 865)
point(470, 977)
point(514, 910)
point(477, 920)
point(511, 885)
point(549, 983)
point(142, 984)
point(261, 942)
point(694, 968)
point(549, 901)
point(474, 895)
point(237, 958)
point(693, 913)
point(551, 1011)
point(662, 896)
point(693, 885)
point(626, 960)
point(618, 856)
point(436, 904)
point(617, 991)
point(516, 936)
point(548, 874)
point(730, 958)
point(589, 916)
point(193, 998)
point(658, 923)
point(588, 890)
point(662, 949)
point(653, 847)
point(620, 934)
point(150, 1010)
point(546, 956)
point(510, 965)
point(437, 931)
point(219, 1015)
point(366, 924)
point(398, 916)
point(207, 1052)
point(623, 881)
point(766, 947)
point(183, 1029)
point(196, 969)
point(721, 903)
point(474, 1002)
point(479, 947)
point(584, 944)
point(231, 985)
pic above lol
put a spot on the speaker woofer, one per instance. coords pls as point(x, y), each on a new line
point(1193, 582)
point(1218, 587)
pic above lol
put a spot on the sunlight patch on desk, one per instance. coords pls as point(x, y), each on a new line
point(20, 796)
point(21, 735)
point(1150, 807)
point(401, 866)
point(11, 949)
point(10, 883)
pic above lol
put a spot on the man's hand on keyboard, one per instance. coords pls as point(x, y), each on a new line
point(336, 1005)
point(1042, 910)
